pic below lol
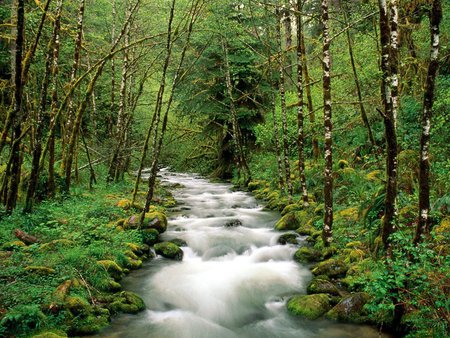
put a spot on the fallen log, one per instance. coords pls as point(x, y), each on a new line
point(24, 237)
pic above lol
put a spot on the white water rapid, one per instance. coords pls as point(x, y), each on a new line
point(233, 281)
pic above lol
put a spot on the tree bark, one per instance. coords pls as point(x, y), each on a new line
point(17, 117)
point(287, 170)
point(37, 147)
point(423, 224)
point(73, 75)
point(389, 91)
point(327, 235)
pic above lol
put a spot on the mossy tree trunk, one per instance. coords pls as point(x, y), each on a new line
point(423, 223)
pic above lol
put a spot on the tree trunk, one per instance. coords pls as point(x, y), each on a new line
point(237, 135)
point(389, 92)
point(327, 236)
point(17, 117)
point(287, 170)
point(37, 147)
point(300, 115)
point(73, 75)
point(356, 79)
point(157, 113)
point(308, 84)
point(423, 224)
point(54, 105)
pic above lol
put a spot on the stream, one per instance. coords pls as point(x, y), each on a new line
point(234, 279)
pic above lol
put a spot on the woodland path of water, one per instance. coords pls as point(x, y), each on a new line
point(234, 279)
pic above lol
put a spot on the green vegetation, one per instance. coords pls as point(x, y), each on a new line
point(92, 92)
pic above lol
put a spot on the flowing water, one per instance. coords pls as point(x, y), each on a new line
point(233, 281)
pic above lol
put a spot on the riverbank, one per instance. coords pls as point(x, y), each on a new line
point(353, 282)
point(62, 275)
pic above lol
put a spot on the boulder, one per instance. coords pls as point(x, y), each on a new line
point(331, 268)
point(178, 242)
point(291, 208)
point(127, 302)
point(289, 238)
point(150, 236)
point(114, 270)
point(322, 285)
point(169, 250)
point(306, 229)
point(155, 220)
point(309, 306)
point(287, 222)
point(350, 309)
point(233, 223)
point(307, 255)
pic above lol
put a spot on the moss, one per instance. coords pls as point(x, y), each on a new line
point(124, 204)
point(354, 244)
point(322, 285)
point(349, 214)
point(442, 231)
point(309, 306)
point(150, 236)
point(114, 270)
point(319, 209)
point(169, 250)
point(289, 238)
point(353, 255)
point(155, 220)
point(40, 270)
point(374, 176)
point(350, 309)
point(13, 246)
point(254, 185)
point(77, 305)
point(51, 334)
point(88, 325)
point(343, 164)
point(127, 302)
point(306, 255)
point(292, 220)
point(306, 229)
point(132, 264)
point(57, 243)
point(138, 249)
point(130, 254)
point(331, 268)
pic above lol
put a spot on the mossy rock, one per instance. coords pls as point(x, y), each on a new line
point(139, 249)
point(126, 302)
point(77, 305)
point(309, 306)
point(169, 250)
point(289, 238)
point(155, 220)
point(350, 309)
point(113, 286)
point(57, 243)
point(13, 246)
point(178, 242)
point(130, 254)
point(88, 325)
point(254, 185)
point(114, 270)
point(307, 255)
point(322, 285)
point(282, 203)
point(319, 209)
point(124, 204)
point(132, 264)
point(331, 268)
point(306, 229)
point(354, 245)
point(292, 220)
point(353, 255)
point(51, 334)
point(40, 270)
point(150, 236)
point(291, 208)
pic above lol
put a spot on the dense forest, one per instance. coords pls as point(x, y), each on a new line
point(333, 112)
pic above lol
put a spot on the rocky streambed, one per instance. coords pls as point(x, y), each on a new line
point(236, 275)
